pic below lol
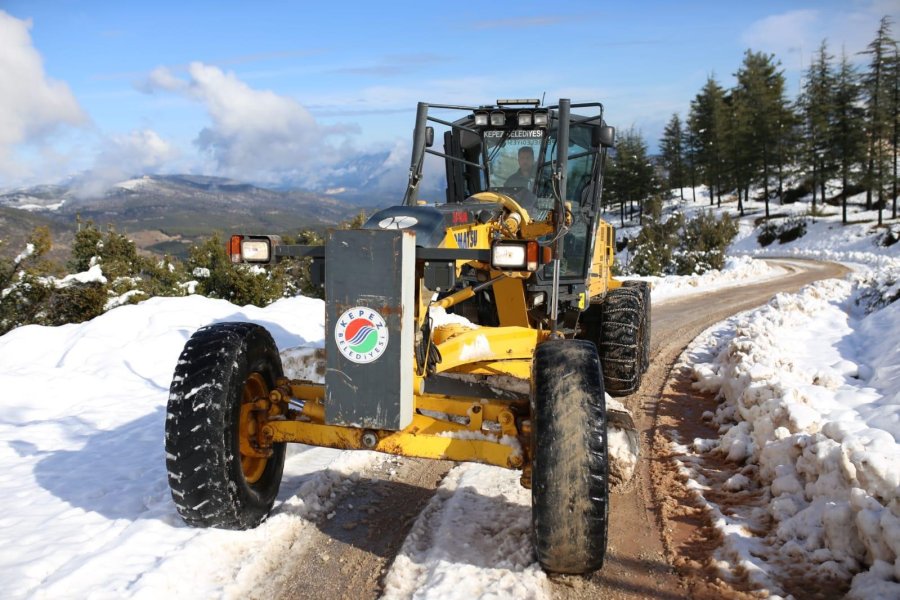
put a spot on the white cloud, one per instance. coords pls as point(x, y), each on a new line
point(162, 78)
point(31, 104)
point(784, 31)
point(794, 36)
point(123, 156)
point(253, 134)
point(143, 149)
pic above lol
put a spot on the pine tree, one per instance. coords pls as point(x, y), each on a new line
point(893, 72)
point(706, 122)
point(847, 140)
point(817, 105)
point(788, 139)
point(878, 119)
point(690, 156)
point(758, 102)
point(734, 131)
point(630, 177)
point(672, 150)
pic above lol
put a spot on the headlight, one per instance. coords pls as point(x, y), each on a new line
point(524, 119)
point(481, 119)
point(255, 250)
point(540, 119)
point(514, 255)
point(252, 248)
point(498, 119)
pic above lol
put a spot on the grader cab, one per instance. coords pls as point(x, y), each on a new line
point(484, 328)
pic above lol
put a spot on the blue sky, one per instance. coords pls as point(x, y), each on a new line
point(271, 91)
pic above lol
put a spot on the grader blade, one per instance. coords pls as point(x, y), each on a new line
point(624, 443)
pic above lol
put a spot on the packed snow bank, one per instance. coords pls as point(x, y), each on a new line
point(810, 416)
point(737, 271)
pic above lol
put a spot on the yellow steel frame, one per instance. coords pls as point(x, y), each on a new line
point(487, 431)
point(428, 436)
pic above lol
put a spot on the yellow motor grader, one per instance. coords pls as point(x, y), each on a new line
point(483, 328)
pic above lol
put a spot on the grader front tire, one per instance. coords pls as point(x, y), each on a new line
point(217, 476)
point(570, 479)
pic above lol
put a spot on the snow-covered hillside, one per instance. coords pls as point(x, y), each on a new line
point(87, 511)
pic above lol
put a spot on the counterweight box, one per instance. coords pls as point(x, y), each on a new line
point(369, 327)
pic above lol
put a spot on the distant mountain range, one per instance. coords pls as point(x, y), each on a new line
point(165, 213)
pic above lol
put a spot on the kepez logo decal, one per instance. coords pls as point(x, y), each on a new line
point(361, 335)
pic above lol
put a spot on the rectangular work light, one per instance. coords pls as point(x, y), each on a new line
point(252, 248)
point(515, 255)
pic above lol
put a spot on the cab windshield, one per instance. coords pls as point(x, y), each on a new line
point(520, 164)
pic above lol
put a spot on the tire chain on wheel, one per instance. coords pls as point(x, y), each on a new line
point(643, 289)
point(202, 451)
point(620, 341)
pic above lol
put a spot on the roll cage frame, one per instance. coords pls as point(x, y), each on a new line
point(560, 121)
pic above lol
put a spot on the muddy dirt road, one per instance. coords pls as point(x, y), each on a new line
point(350, 554)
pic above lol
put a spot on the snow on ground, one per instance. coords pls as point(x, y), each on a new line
point(86, 507)
point(472, 540)
point(135, 184)
point(810, 416)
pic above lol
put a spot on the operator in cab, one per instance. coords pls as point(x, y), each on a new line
point(524, 177)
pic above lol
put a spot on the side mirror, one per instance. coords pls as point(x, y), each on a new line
point(604, 136)
point(429, 136)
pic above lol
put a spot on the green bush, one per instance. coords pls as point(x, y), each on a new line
point(163, 277)
point(654, 247)
point(768, 233)
point(703, 243)
point(678, 246)
point(296, 273)
point(114, 252)
point(792, 229)
point(888, 238)
point(217, 277)
point(26, 282)
point(85, 247)
point(31, 291)
point(75, 303)
point(791, 195)
point(787, 231)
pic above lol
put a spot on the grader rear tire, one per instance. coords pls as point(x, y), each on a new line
point(570, 479)
point(642, 288)
point(217, 481)
point(621, 341)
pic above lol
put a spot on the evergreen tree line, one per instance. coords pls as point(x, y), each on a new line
point(107, 271)
point(842, 127)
